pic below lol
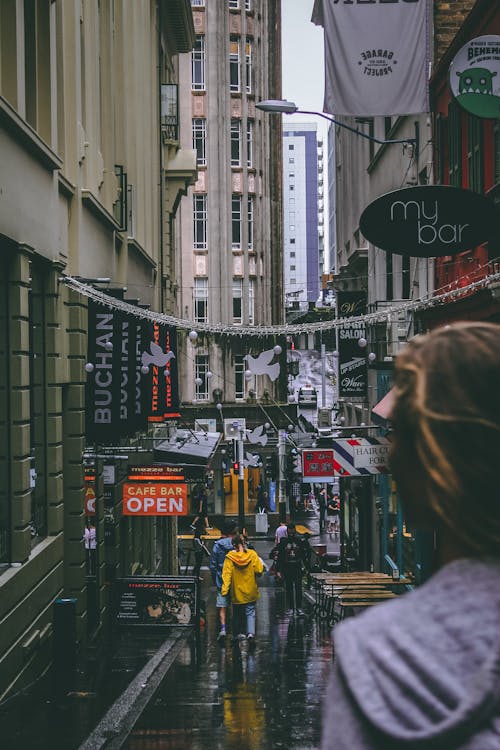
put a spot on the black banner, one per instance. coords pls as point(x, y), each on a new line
point(102, 412)
point(157, 601)
point(353, 370)
point(160, 384)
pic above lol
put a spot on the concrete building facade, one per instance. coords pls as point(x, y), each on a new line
point(92, 174)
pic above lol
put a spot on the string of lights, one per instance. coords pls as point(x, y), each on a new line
point(263, 331)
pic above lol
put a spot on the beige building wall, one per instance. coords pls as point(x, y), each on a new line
point(80, 87)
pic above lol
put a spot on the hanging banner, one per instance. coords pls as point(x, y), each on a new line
point(160, 383)
point(102, 393)
point(475, 76)
point(353, 370)
point(377, 55)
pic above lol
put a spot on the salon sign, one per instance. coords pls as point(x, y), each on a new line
point(429, 221)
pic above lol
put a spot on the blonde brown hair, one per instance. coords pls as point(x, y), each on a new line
point(447, 410)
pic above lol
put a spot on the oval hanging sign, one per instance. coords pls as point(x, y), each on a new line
point(475, 76)
point(429, 220)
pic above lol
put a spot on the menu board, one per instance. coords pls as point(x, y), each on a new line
point(157, 601)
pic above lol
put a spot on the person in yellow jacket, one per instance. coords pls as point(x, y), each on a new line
point(241, 565)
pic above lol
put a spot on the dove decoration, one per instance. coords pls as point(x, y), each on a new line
point(157, 356)
point(261, 365)
point(251, 460)
point(257, 436)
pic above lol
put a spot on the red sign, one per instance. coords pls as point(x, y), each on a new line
point(89, 494)
point(155, 499)
point(317, 466)
point(155, 473)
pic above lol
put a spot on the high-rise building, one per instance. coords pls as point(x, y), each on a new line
point(303, 223)
point(229, 239)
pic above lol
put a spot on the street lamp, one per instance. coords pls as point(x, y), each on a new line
point(284, 107)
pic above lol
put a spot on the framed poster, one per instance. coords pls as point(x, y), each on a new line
point(157, 601)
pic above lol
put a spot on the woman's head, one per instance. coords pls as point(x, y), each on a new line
point(446, 420)
point(238, 541)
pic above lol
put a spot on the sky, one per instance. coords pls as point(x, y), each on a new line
point(303, 74)
point(303, 64)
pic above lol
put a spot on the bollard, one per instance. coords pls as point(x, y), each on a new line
point(64, 643)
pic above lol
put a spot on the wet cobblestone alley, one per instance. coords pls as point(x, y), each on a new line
point(232, 697)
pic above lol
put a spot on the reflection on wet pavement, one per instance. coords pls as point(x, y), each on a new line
point(235, 697)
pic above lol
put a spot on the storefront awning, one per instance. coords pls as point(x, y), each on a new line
point(381, 412)
point(187, 448)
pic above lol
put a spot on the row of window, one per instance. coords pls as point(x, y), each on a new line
point(200, 301)
point(233, 4)
point(200, 201)
point(200, 142)
point(198, 64)
point(202, 367)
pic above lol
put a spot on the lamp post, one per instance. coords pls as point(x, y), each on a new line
point(241, 482)
point(284, 107)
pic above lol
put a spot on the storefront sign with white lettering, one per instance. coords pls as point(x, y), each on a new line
point(429, 221)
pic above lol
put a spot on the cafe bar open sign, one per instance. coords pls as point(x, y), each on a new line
point(155, 499)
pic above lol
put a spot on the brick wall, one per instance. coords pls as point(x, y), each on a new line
point(449, 16)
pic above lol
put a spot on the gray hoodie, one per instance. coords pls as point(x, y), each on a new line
point(421, 671)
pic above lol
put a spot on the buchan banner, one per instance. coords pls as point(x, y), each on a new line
point(353, 370)
point(377, 55)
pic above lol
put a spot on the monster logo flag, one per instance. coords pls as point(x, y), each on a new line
point(353, 371)
point(377, 55)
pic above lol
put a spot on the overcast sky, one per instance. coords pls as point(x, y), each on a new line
point(303, 64)
point(303, 73)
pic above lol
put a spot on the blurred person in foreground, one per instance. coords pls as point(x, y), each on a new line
point(423, 671)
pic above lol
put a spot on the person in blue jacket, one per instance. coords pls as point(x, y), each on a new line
point(219, 552)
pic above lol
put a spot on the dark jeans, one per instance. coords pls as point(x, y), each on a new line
point(293, 587)
point(322, 515)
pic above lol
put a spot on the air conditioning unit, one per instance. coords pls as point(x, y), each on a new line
point(205, 425)
point(233, 427)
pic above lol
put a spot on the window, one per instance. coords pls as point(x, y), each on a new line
point(200, 222)
point(236, 221)
point(474, 153)
point(198, 2)
point(291, 176)
point(37, 64)
point(292, 268)
point(239, 377)
point(170, 111)
point(291, 160)
point(248, 66)
point(38, 427)
point(201, 367)
point(496, 163)
point(292, 240)
point(249, 143)
point(236, 143)
point(291, 187)
point(455, 144)
point(292, 255)
point(248, 4)
point(292, 227)
point(200, 301)
point(199, 140)
point(293, 281)
point(291, 147)
point(234, 4)
point(237, 301)
point(234, 64)
point(251, 302)
point(198, 64)
point(250, 223)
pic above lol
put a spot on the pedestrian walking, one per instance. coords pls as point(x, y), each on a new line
point(262, 505)
point(332, 511)
point(280, 532)
point(90, 542)
point(199, 547)
point(322, 503)
point(217, 557)
point(294, 555)
point(241, 566)
point(200, 495)
point(422, 670)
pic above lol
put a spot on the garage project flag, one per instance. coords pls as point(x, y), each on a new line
point(377, 55)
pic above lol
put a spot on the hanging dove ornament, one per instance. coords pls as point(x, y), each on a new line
point(257, 436)
point(261, 365)
point(157, 357)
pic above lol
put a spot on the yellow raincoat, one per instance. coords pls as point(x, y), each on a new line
point(238, 575)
